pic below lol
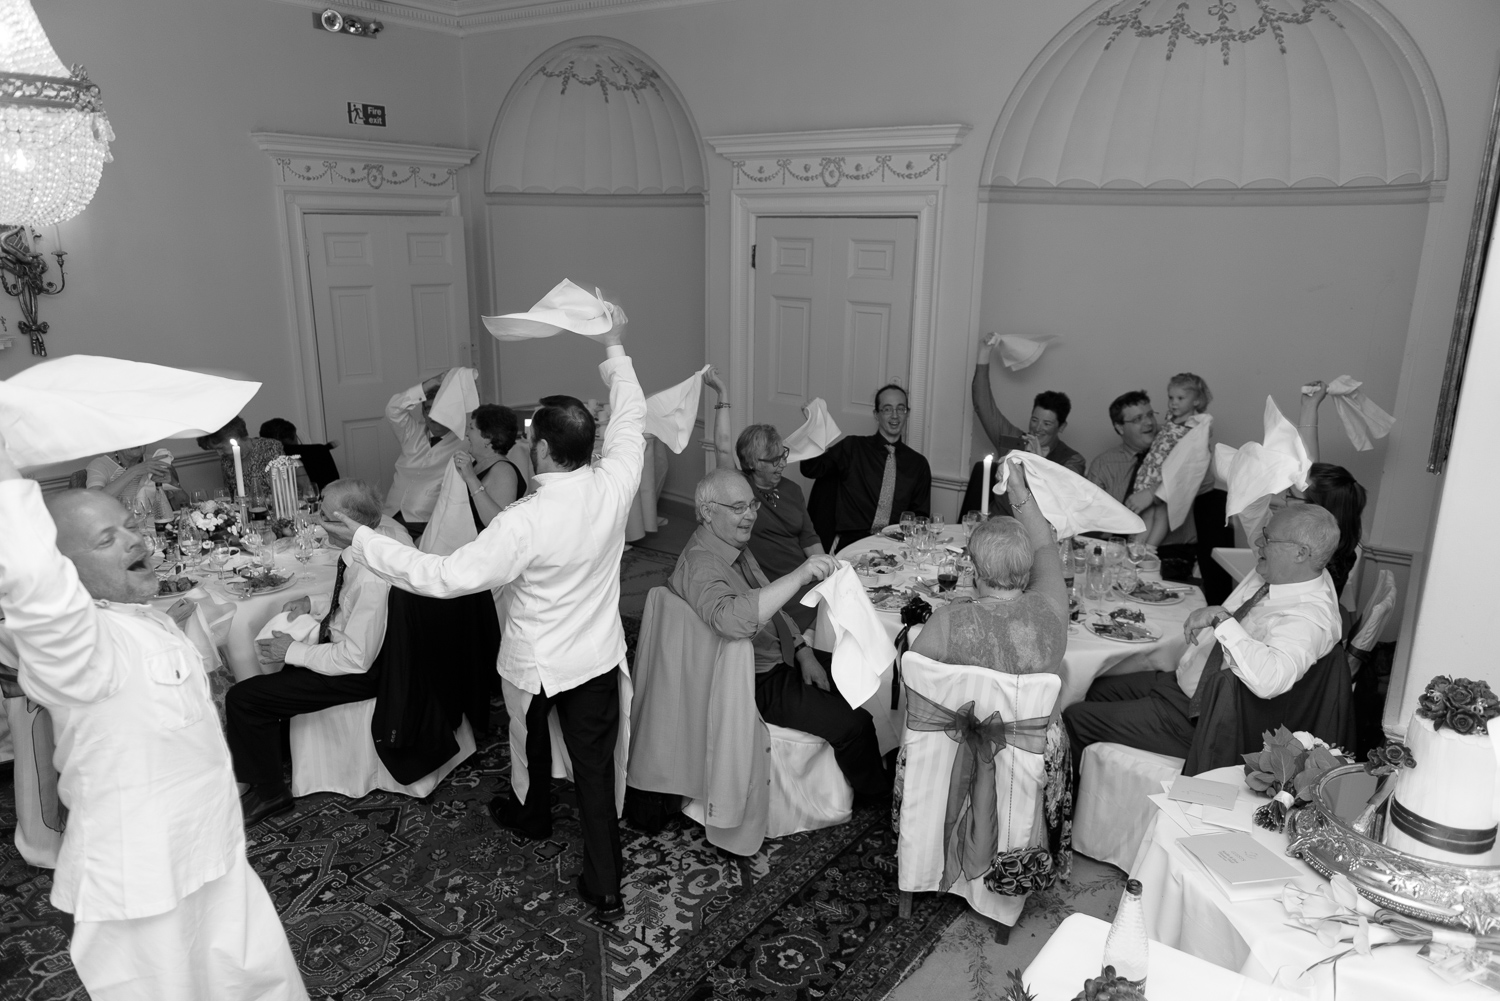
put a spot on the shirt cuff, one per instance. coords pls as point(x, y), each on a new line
point(614, 350)
point(1230, 631)
point(357, 544)
point(297, 653)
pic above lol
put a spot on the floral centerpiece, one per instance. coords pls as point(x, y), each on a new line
point(1105, 987)
point(1287, 769)
point(221, 521)
point(1461, 705)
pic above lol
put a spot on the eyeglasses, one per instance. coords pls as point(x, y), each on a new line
point(740, 509)
point(897, 411)
point(1265, 540)
point(1147, 418)
point(777, 460)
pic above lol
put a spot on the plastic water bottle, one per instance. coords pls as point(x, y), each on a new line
point(1125, 949)
point(1095, 583)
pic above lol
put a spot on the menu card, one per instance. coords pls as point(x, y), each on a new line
point(1238, 862)
point(1187, 789)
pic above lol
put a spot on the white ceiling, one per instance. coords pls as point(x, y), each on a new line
point(467, 17)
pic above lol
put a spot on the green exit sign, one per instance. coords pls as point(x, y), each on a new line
point(367, 114)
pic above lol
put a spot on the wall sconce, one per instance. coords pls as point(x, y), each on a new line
point(23, 274)
point(347, 24)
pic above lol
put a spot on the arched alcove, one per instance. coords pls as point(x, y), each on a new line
point(594, 116)
point(1259, 94)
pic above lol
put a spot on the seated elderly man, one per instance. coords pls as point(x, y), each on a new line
point(152, 867)
point(330, 669)
point(719, 576)
point(1281, 620)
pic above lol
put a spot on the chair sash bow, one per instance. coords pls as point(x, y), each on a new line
point(971, 827)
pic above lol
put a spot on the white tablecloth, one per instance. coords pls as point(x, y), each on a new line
point(1186, 910)
point(1073, 954)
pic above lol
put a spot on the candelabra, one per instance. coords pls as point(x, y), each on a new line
point(23, 274)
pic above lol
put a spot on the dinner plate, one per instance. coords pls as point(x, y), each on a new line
point(1120, 639)
point(241, 588)
point(1176, 596)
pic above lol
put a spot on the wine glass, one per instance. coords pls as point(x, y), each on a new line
point(908, 522)
point(935, 525)
point(970, 520)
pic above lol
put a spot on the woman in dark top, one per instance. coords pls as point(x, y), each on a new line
point(783, 537)
point(494, 482)
point(317, 459)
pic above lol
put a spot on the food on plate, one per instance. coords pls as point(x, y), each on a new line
point(878, 561)
point(1123, 614)
point(893, 532)
point(266, 581)
point(1115, 629)
point(175, 585)
point(1153, 591)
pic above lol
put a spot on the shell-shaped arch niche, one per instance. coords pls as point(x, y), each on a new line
point(1237, 94)
point(594, 116)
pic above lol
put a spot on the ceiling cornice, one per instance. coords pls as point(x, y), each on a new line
point(472, 17)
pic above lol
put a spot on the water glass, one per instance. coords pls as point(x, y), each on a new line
point(935, 522)
point(267, 549)
point(970, 519)
point(908, 522)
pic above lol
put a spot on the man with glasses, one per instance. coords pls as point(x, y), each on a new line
point(1114, 469)
point(721, 578)
point(1282, 619)
point(878, 476)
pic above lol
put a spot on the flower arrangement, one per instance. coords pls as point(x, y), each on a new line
point(1461, 705)
point(212, 516)
point(1388, 758)
point(1287, 769)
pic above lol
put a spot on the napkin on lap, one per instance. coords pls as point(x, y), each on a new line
point(1071, 503)
point(302, 629)
point(672, 413)
point(1362, 418)
point(1257, 470)
point(81, 405)
point(862, 649)
point(1182, 472)
point(456, 399)
point(814, 436)
point(566, 307)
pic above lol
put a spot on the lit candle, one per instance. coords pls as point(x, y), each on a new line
point(239, 470)
point(984, 495)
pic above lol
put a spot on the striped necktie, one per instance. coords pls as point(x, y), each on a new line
point(1215, 662)
point(325, 628)
point(887, 491)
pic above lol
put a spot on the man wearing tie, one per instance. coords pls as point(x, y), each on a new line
point(879, 476)
point(1282, 619)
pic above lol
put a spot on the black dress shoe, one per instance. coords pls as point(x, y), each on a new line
point(257, 809)
point(608, 905)
point(511, 815)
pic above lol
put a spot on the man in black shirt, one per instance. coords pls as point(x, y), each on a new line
point(878, 476)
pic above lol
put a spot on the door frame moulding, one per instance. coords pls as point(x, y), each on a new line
point(897, 171)
point(317, 175)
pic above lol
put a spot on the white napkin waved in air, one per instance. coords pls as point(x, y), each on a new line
point(452, 523)
point(81, 405)
point(456, 399)
point(1182, 471)
point(1362, 418)
point(566, 307)
point(1069, 502)
point(814, 436)
point(1258, 470)
point(672, 413)
point(1019, 350)
point(862, 649)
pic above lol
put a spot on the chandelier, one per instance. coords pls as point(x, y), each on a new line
point(54, 137)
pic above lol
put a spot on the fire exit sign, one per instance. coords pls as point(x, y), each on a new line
point(367, 114)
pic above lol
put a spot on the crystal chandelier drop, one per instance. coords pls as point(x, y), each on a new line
point(54, 137)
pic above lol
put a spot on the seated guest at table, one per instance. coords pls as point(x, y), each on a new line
point(125, 474)
point(783, 537)
point(255, 454)
point(426, 449)
point(317, 459)
point(1331, 487)
point(726, 586)
point(879, 476)
point(152, 865)
point(1281, 620)
point(494, 481)
point(332, 670)
point(1114, 469)
point(1049, 415)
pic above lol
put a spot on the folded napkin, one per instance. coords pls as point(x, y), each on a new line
point(1183, 470)
point(1257, 470)
point(452, 522)
point(81, 405)
point(1362, 418)
point(1018, 350)
point(672, 413)
point(862, 649)
point(566, 307)
point(814, 436)
point(1377, 611)
point(456, 399)
point(1071, 503)
point(302, 629)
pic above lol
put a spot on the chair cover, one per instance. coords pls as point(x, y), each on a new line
point(928, 766)
point(1111, 815)
point(39, 815)
point(332, 752)
point(516, 704)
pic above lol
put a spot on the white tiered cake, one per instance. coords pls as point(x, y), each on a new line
point(1445, 807)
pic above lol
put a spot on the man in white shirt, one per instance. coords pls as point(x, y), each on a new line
point(152, 867)
point(556, 552)
point(331, 668)
point(426, 449)
point(1282, 619)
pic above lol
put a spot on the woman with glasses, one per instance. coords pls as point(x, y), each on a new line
point(783, 537)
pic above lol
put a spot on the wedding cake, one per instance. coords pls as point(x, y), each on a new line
point(1445, 807)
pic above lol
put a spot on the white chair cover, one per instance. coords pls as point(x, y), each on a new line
point(516, 704)
point(332, 751)
point(1111, 815)
point(928, 761)
point(37, 839)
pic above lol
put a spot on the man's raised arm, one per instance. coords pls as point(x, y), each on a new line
point(624, 446)
point(995, 424)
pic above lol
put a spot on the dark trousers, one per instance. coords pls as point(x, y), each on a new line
point(256, 707)
point(1148, 710)
point(785, 700)
point(590, 718)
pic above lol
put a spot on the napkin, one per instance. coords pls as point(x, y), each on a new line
point(1362, 418)
point(672, 413)
point(1071, 503)
point(1182, 471)
point(1257, 470)
point(303, 628)
point(1018, 350)
point(566, 307)
point(452, 522)
point(862, 649)
point(456, 399)
point(1377, 611)
point(814, 436)
point(81, 405)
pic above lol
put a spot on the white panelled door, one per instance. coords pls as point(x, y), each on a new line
point(390, 304)
point(833, 301)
